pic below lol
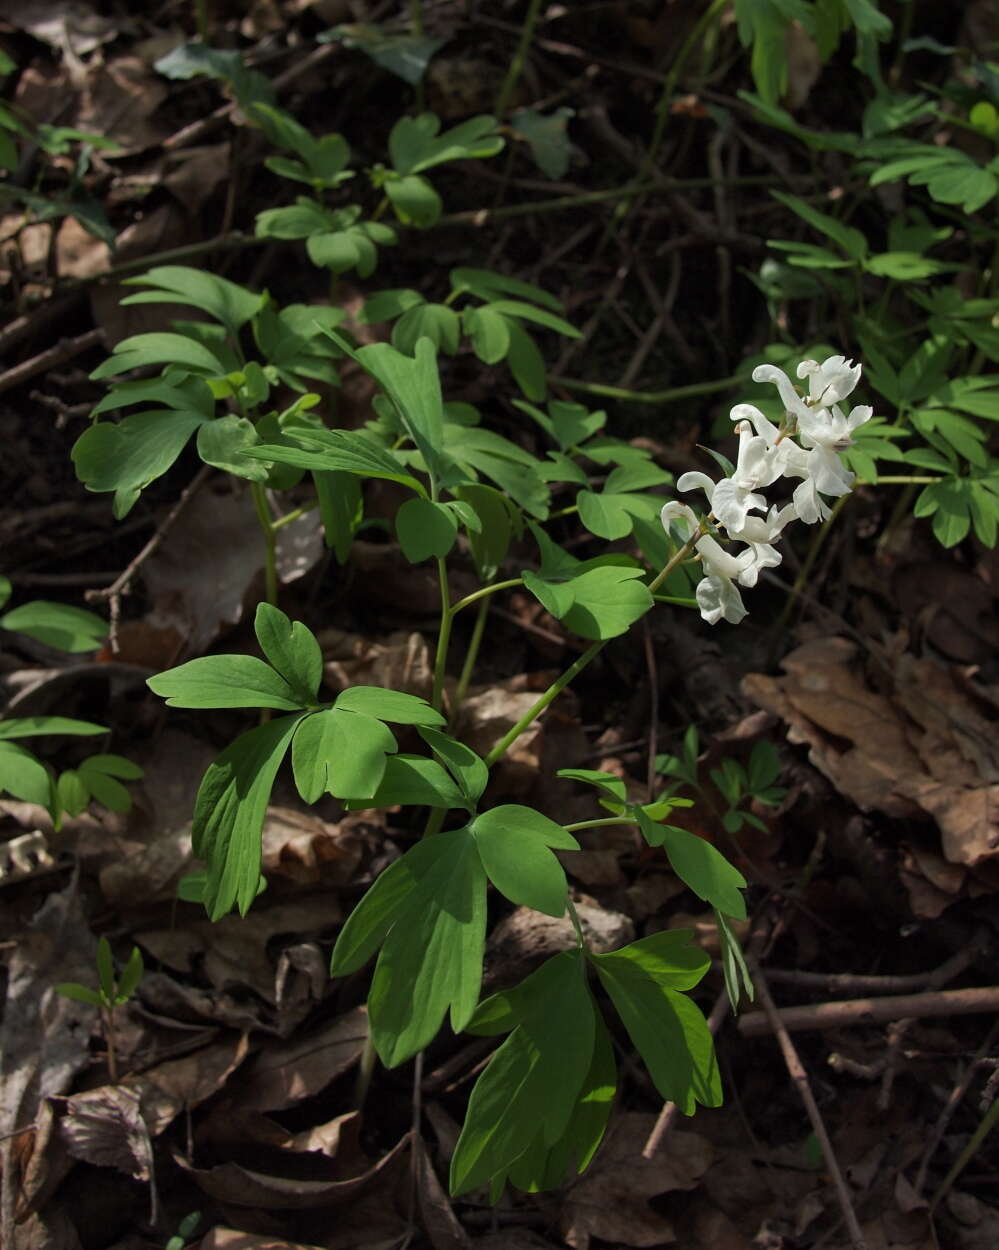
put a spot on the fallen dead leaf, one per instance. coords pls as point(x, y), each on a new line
point(78, 253)
point(61, 23)
point(522, 940)
point(105, 1127)
point(119, 100)
point(402, 661)
point(233, 1239)
point(607, 1201)
point(281, 1074)
point(202, 574)
point(306, 851)
point(439, 1220)
point(181, 1084)
point(923, 749)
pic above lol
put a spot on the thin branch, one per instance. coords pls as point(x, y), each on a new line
point(65, 350)
point(874, 1010)
point(120, 586)
point(796, 1071)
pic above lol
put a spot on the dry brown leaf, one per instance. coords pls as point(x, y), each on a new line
point(402, 661)
point(119, 99)
point(923, 749)
point(305, 1180)
point(525, 938)
point(283, 1073)
point(78, 253)
point(202, 575)
point(181, 1084)
point(307, 851)
point(607, 1201)
point(439, 1220)
point(44, 1038)
point(195, 174)
point(233, 1239)
point(71, 24)
point(105, 1127)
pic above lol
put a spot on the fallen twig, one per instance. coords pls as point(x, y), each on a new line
point(798, 1075)
point(850, 983)
point(57, 355)
point(874, 1010)
point(119, 587)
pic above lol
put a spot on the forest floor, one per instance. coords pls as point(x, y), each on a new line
point(875, 685)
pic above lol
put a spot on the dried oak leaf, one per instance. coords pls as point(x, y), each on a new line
point(607, 1201)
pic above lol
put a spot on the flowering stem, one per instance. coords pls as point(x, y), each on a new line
point(646, 397)
point(262, 507)
point(574, 669)
point(517, 62)
point(595, 824)
point(809, 561)
point(574, 917)
point(474, 644)
point(443, 635)
point(486, 590)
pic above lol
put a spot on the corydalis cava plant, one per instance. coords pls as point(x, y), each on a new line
point(766, 454)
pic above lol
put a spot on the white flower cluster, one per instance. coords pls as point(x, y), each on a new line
point(767, 453)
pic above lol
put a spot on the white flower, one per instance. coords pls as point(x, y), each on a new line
point(717, 594)
point(830, 381)
point(732, 498)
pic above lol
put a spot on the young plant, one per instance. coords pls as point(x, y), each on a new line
point(542, 1104)
point(22, 773)
point(112, 992)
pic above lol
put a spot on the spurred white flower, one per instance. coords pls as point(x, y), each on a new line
point(766, 453)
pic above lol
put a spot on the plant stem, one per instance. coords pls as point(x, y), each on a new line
point(814, 548)
point(474, 645)
point(647, 397)
point(595, 824)
point(443, 635)
point(416, 16)
point(476, 595)
point(574, 669)
point(517, 61)
point(259, 493)
point(574, 917)
point(107, 1017)
point(288, 519)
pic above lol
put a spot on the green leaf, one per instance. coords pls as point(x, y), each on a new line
point(436, 322)
point(6, 590)
point(699, 866)
point(415, 201)
point(387, 305)
point(425, 529)
point(526, 363)
point(131, 976)
point(341, 509)
point(547, 137)
point(225, 681)
point(102, 786)
point(142, 350)
point(188, 60)
point(533, 1083)
point(415, 145)
point(229, 814)
point(348, 451)
point(411, 779)
point(227, 302)
point(490, 286)
point(221, 443)
point(414, 387)
point(340, 752)
point(606, 602)
point(37, 726)
point(25, 777)
point(405, 55)
point(514, 470)
point(612, 516)
point(904, 266)
point(292, 649)
point(133, 453)
point(57, 625)
point(850, 241)
point(105, 969)
point(527, 312)
point(468, 770)
point(514, 844)
point(296, 221)
point(79, 993)
point(491, 542)
point(489, 332)
point(431, 956)
point(72, 794)
point(391, 705)
point(643, 981)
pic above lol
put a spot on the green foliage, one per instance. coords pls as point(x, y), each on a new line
point(113, 990)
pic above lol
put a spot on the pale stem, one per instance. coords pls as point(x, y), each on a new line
point(270, 540)
point(107, 1015)
point(519, 57)
point(595, 824)
point(443, 635)
point(574, 917)
point(813, 551)
point(574, 669)
point(474, 646)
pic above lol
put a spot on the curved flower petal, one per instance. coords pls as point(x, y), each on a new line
point(718, 598)
point(830, 381)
